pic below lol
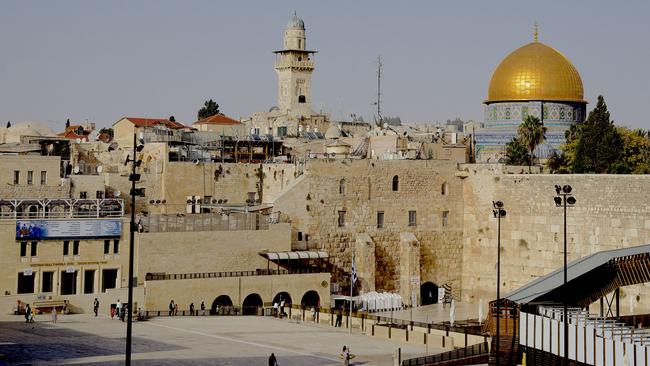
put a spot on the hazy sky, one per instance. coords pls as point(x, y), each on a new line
point(104, 60)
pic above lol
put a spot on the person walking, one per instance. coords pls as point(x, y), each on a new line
point(202, 306)
point(96, 306)
point(171, 308)
point(339, 317)
point(275, 309)
point(54, 314)
point(118, 309)
point(175, 309)
point(192, 309)
point(272, 360)
point(346, 356)
point(28, 313)
point(281, 308)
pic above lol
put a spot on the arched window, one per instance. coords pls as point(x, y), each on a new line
point(444, 189)
point(342, 186)
point(302, 99)
point(395, 183)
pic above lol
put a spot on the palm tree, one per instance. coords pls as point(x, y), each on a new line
point(532, 133)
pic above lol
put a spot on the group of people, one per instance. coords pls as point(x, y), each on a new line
point(30, 314)
point(120, 309)
point(278, 308)
point(173, 308)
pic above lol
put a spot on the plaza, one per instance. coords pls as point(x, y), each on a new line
point(83, 339)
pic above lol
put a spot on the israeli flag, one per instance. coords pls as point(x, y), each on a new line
point(354, 271)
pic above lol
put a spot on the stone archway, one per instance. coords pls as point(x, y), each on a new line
point(429, 293)
point(252, 305)
point(220, 302)
point(310, 298)
point(282, 296)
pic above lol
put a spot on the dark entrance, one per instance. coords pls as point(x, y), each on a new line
point(252, 305)
point(282, 296)
point(429, 293)
point(220, 303)
point(89, 281)
point(68, 283)
point(310, 298)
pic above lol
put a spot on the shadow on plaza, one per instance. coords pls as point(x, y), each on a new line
point(32, 343)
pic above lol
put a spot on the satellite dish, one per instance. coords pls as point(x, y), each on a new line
point(99, 169)
point(76, 169)
point(78, 140)
point(117, 193)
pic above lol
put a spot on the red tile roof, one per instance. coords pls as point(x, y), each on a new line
point(149, 122)
point(71, 132)
point(217, 119)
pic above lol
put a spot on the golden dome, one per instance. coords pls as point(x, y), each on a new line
point(535, 72)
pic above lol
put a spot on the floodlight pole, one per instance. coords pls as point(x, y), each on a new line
point(566, 308)
point(498, 211)
point(129, 322)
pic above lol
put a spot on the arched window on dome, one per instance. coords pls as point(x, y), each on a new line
point(395, 183)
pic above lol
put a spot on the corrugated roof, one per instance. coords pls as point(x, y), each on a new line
point(575, 269)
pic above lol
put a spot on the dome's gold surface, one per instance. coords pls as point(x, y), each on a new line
point(535, 72)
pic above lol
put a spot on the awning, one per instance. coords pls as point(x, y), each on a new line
point(304, 254)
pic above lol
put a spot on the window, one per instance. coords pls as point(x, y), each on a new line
point(341, 218)
point(68, 282)
point(66, 247)
point(89, 281)
point(75, 247)
point(107, 246)
point(99, 194)
point(281, 131)
point(34, 249)
point(299, 235)
point(299, 43)
point(30, 177)
point(109, 279)
point(83, 195)
point(395, 183)
point(16, 177)
point(444, 189)
point(116, 246)
point(25, 283)
point(413, 218)
point(302, 99)
point(342, 186)
point(43, 177)
point(445, 218)
point(48, 281)
point(23, 248)
point(380, 219)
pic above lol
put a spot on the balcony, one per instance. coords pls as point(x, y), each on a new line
point(302, 65)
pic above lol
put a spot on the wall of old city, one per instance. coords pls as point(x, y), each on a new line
point(314, 201)
point(612, 211)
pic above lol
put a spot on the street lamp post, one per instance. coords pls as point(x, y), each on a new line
point(133, 177)
point(499, 212)
point(565, 199)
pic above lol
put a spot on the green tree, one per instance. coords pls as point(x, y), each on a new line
point(210, 108)
point(108, 131)
point(8, 124)
point(599, 144)
point(67, 124)
point(517, 153)
point(531, 134)
point(635, 157)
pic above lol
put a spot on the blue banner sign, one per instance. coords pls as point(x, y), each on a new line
point(67, 229)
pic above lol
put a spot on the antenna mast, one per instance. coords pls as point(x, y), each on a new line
point(379, 67)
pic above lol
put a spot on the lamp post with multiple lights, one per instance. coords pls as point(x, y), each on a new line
point(133, 177)
point(565, 199)
point(499, 212)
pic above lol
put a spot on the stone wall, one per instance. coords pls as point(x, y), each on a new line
point(612, 211)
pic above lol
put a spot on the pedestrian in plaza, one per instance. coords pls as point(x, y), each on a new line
point(171, 308)
point(192, 309)
point(175, 309)
point(118, 309)
point(202, 306)
point(346, 356)
point(96, 306)
point(112, 311)
point(272, 360)
point(281, 307)
point(313, 314)
point(28, 313)
point(275, 309)
point(339, 317)
point(32, 315)
point(125, 308)
point(53, 314)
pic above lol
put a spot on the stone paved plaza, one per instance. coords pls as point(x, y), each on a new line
point(85, 340)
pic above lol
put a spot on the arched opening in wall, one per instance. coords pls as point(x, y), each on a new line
point(429, 293)
point(395, 183)
point(252, 305)
point(219, 303)
point(310, 298)
point(444, 189)
point(282, 296)
point(342, 186)
point(302, 99)
point(33, 211)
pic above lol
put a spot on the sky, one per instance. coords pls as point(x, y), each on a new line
point(102, 60)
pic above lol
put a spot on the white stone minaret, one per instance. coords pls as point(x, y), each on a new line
point(294, 67)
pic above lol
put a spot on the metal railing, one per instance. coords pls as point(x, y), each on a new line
point(476, 350)
point(26, 209)
point(258, 272)
point(205, 222)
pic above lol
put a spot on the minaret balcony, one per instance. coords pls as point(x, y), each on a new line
point(303, 65)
